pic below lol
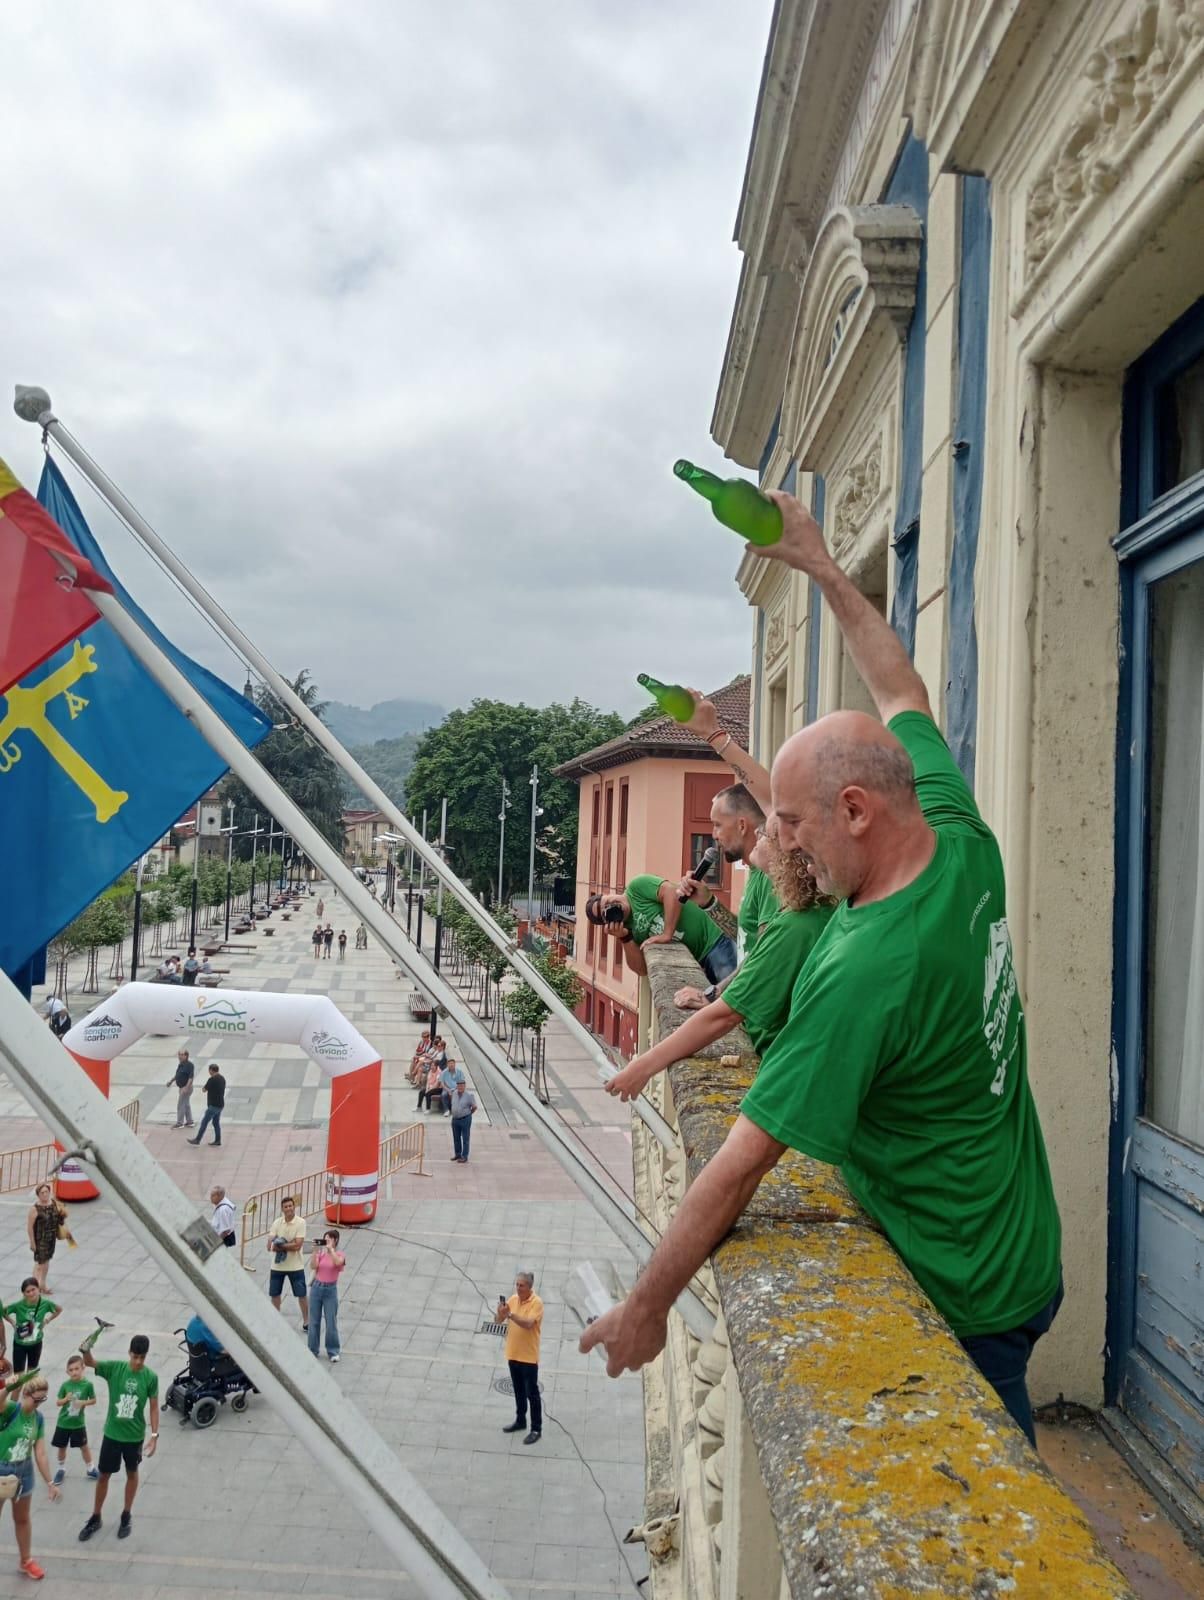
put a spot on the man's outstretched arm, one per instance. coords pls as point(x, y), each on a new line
point(755, 778)
point(634, 1332)
point(876, 649)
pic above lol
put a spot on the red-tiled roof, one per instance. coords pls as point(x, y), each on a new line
point(662, 737)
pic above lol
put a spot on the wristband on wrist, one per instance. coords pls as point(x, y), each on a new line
point(717, 733)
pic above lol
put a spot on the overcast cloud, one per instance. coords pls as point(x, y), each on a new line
point(392, 317)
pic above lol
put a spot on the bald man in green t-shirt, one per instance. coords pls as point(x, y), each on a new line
point(904, 1059)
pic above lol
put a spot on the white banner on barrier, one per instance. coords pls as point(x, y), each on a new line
point(313, 1022)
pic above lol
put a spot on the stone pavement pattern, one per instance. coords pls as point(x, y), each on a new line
point(210, 1516)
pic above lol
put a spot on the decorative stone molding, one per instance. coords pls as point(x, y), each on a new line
point(856, 499)
point(858, 288)
point(775, 633)
point(1130, 78)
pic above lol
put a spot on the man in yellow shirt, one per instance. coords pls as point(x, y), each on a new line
point(523, 1316)
point(286, 1240)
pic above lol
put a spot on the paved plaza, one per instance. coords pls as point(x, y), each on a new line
point(240, 1506)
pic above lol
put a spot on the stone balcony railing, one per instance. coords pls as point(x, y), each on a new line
point(831, 1438)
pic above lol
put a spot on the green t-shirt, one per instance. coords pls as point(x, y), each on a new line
point(904, 1062)
point(28, 1319)
point(758, 907)
point(19, 1432)
point(128, 1393)
point(694, 928)
point(764, 982)
point(79, 1389)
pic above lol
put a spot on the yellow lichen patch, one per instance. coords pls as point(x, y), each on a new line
point(879, 1442)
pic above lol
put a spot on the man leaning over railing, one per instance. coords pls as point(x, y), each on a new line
point(904, 1060)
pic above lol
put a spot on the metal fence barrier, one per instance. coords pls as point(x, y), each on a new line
point(313, 1193)
point(403, 1149)
point(29, 1166)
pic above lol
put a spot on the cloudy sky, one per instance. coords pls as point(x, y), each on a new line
point(392, 317)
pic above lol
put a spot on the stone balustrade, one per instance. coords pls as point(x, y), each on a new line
point(831, 1438)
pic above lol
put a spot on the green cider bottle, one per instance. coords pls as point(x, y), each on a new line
point(735, 502)
point(673, 700)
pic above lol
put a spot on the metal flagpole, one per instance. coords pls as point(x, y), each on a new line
point(536, 811)
point(482, 1050)
point(33, 405)
point(346, 1448)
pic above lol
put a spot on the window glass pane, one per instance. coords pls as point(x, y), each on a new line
point(1180, 425)
point(1174, 1053)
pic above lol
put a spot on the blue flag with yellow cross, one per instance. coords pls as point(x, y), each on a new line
point(96, 763)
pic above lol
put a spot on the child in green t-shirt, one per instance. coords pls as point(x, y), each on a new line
point(75, 1395)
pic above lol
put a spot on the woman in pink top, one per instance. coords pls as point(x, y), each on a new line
point(327, 1262)
point(432, 1087)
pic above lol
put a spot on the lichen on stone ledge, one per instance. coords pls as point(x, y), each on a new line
point(891, 1468)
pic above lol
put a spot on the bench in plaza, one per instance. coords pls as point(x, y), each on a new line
point(420, 1008)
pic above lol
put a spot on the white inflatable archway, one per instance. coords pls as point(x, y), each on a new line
point(312, 1021)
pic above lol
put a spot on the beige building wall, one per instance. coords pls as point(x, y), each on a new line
point(1097, 211)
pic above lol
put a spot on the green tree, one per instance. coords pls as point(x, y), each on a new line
point(302, 769)
point(389, 762)
point(524, 1007)
point(467, 756)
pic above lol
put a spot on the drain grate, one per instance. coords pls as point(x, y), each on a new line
point(299, 1149)
point(527, 1135)
point(504, 1386)
point(493, 1327)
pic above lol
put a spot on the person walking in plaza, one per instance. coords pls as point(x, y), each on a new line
point(43, 1222)
point(22, 1446)
point(904, 1060)
point(321, 909)
point(327, 940)
point(327, 1262)
point(132, 1388)
point(29, 1316)
point(315, 939)
point(361, 937)
point(215, 1100)
point(76, 1394)
point(223, 1218)
point(342, 944)
point(286, 1241)
point(523, 1316)
point(183, 1078)
point(463, 1104)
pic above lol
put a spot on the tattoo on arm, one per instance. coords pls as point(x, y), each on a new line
point(722, 917)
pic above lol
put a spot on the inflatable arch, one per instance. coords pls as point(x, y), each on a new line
point(311, 1021)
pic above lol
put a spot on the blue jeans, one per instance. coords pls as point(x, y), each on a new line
point(461, 1133)
point(212, 1117)
point(1002, 1358)
point(324, 1306)
point(720, 960)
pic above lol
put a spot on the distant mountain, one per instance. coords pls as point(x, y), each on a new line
point(388, 719)
point(389, 762)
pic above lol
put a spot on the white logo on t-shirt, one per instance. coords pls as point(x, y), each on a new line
point(127, 1407)
point(998, 998)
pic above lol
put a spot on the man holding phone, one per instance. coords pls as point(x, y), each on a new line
point(523, 1315)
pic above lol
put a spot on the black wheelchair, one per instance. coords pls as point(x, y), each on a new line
point(205, 1384)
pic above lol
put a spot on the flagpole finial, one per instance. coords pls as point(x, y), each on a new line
point(32, 404)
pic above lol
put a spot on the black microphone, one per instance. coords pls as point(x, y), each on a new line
point(706, 861)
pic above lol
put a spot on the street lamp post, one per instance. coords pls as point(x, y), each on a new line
point(137, 919)
point(255, 832)
point(229, 865)
point(439, 901)
point(536, 811)
point(501, 843)
point(196, 855)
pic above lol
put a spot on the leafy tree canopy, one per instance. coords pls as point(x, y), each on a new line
point(467, 756)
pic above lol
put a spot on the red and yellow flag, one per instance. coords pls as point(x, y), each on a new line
point(41, 609)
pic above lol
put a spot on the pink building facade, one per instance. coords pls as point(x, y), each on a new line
point(645, 807)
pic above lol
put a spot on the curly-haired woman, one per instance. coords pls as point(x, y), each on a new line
point(758, 996)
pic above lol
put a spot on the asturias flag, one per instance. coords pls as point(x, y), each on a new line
point(96, 763)
point(41, 609)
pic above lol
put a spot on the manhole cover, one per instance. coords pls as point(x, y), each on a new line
point(504, 1386)
point(493, 1327)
